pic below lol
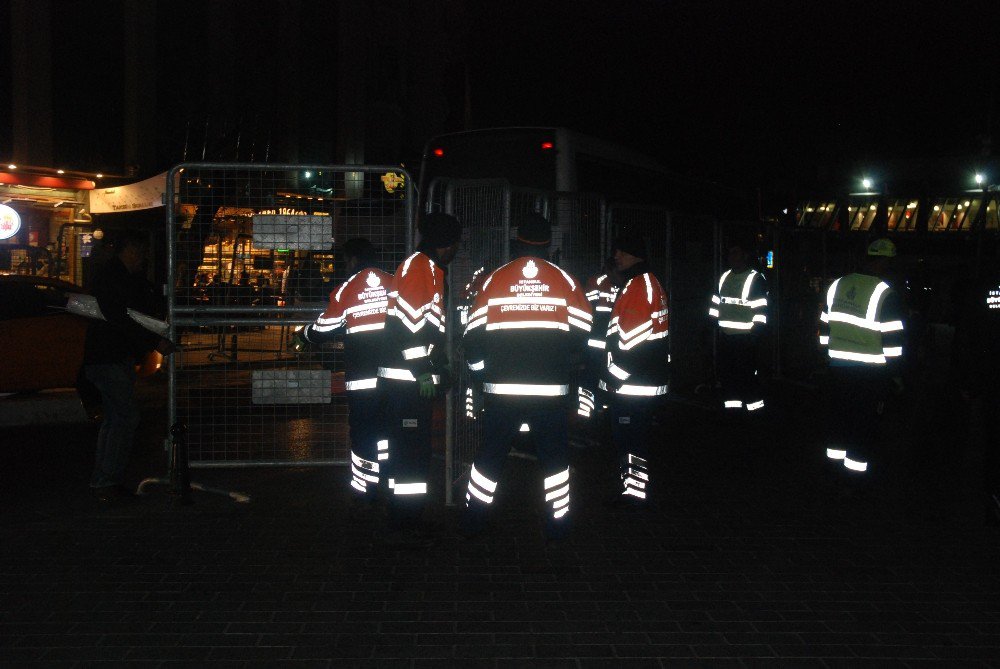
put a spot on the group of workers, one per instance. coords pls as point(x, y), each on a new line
point(536, 343)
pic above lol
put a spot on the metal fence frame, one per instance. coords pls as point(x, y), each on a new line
point(249, 316)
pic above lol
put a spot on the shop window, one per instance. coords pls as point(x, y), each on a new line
point(953, 214)
point(861, 215)
point(992, 222)
point(815, 214)
point(902, 215)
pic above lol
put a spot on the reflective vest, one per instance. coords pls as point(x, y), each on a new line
point(856, 327)
point(741, 302)
point(415, 319)
point(357, 308)
point(636, 340)
point(527, 328)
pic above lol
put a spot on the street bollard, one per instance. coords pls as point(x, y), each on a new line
point(180, 474)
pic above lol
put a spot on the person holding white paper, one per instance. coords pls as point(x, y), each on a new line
point(112, 347)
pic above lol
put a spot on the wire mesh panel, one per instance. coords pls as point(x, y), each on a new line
point(577, 232)
point(253, 256)
point(483, 207)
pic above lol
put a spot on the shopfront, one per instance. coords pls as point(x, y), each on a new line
point(41, 219)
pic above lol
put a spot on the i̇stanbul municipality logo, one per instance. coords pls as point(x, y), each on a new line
point(530, 270)
point(372, 280)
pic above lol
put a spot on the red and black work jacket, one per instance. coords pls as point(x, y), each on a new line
point(357, 310)
point(527, 331)
point(637, 348)
point(415, 320)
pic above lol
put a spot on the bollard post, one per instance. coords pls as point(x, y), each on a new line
point(180, 474)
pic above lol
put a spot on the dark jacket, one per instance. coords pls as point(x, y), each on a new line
point(118, 338)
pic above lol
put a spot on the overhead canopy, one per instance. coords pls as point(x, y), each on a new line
point(145, 194)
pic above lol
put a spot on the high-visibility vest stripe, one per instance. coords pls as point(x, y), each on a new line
point(533, 389)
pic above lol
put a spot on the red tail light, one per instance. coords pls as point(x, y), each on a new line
point(547, 145)
point(438, 152)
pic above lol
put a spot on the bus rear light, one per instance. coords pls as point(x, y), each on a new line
point(547, 145)
point(438, 152)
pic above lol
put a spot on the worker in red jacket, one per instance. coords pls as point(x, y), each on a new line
point(356, 311)
point(637, 354)
point(525, 340)
point(413, 368)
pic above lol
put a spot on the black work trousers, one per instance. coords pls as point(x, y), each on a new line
point(985, 434)
point(632, 432)
point(548, 424)
point(855, 405)
point(369, 462)
point(408, 427)
point(736, 369)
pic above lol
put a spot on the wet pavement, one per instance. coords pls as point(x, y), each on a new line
point(756, 555)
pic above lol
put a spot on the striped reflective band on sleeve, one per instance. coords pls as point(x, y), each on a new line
point(544, 390)
point(736, 325)
point(716, 299)
point(753, 406)
point(760, 318)
point(383, 449)
point(417, 352)
point(713, 312)
point(892, 351)
point(477, 366)
point(603, 309)
point(327, 324)
point(597, 343)
point(733, 404)
point(824, 340)
point(361, 384)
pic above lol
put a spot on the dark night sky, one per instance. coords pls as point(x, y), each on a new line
point(745, 92)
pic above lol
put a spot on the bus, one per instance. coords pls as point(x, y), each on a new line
point(561, 160)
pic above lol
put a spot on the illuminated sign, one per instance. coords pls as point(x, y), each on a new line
point(10, 222)
point(289, 211)
point(393, 181)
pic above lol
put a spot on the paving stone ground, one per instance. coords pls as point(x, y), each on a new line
point(755, 557)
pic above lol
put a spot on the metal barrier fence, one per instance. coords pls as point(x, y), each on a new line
point(250, 259)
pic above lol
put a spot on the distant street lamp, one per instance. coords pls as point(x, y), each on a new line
point(980, 179)
point(866, 183)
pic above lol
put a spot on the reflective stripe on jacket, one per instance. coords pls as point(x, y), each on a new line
point(741, 303)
